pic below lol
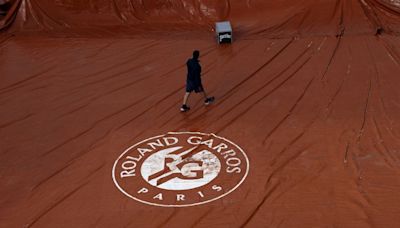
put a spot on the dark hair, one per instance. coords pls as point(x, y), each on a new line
point(196, 54)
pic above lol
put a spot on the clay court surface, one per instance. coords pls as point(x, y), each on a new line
point(308, 89)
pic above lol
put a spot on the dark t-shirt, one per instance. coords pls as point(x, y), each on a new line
point(194, 71)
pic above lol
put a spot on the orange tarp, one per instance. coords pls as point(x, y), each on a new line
point(308, 90)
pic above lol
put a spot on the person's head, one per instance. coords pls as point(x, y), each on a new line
point(196, 54)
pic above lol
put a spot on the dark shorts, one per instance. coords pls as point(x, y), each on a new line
point(193, 86)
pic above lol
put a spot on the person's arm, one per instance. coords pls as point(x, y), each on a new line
point(199, 69)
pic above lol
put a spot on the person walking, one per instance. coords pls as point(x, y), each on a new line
point(193, 81)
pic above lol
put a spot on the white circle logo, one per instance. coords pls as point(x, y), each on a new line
point(180, 169)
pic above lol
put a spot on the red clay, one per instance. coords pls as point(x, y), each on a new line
point(308, 89)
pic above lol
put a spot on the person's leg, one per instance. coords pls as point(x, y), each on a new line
point(207, 100)
point(184, 107)
point(204, 94)
point(185, 98)
point(200, 89)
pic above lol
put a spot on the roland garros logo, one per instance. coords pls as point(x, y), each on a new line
point(180, 169)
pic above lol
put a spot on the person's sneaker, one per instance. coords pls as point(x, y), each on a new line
point(209, 100)
point(184, 108)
